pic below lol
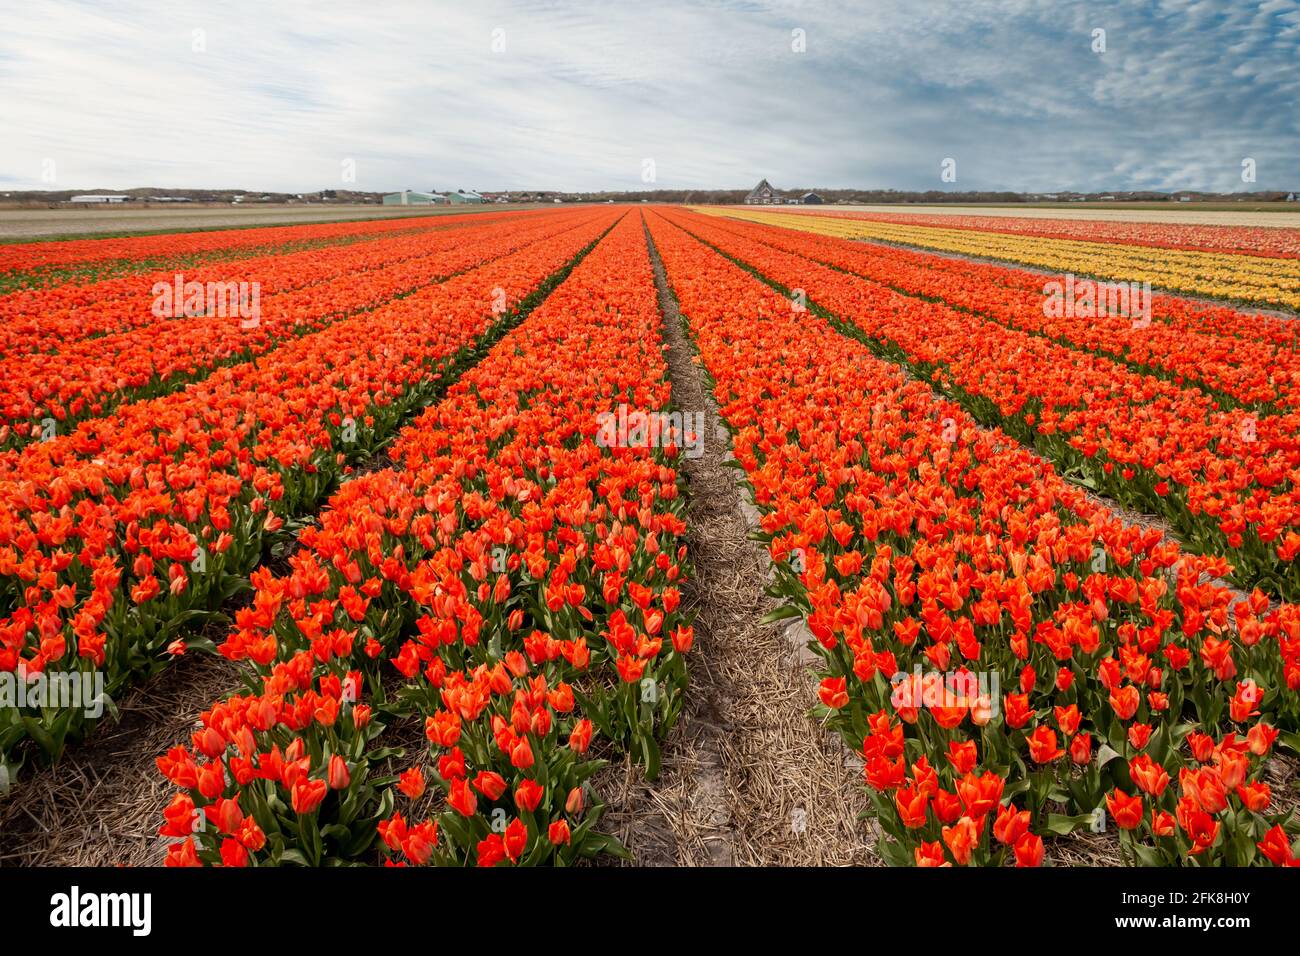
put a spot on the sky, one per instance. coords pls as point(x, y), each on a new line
point(1022, 95)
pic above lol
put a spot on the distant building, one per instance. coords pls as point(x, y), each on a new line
point(465, 197)
point(1291, 197)
point(409, 197)
point(1184, 198)
point(100, 197)
point(810, 199)
point(763, 195)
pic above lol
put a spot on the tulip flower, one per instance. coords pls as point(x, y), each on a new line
point(1127, 811)
point(411, 783)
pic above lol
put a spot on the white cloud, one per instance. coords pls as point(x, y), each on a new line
point(280, 94)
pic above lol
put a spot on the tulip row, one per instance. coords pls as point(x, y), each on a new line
point(41, 394)
point(522, 579)
point(114, 538)
point(1255, 280)
point(1224, 479)
point(1013, 662)
point(1166, 342)
point(1279, 241)
point(1276, 334)
point(49, 319)
point(182, 247)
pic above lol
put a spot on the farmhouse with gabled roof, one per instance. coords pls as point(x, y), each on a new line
point(763, 195)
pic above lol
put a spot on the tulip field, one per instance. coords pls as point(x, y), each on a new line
point(1254, 269)
point(1043, 566)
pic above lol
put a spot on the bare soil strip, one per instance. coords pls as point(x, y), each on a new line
point(748, 777)
point(78, 222)
point(102, 805)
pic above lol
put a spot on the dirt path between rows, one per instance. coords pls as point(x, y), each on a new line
point(102, 804)
point(748, 777)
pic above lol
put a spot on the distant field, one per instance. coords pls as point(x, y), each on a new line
point(1235, 261)
point(19, 224)
point(1207, 214)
